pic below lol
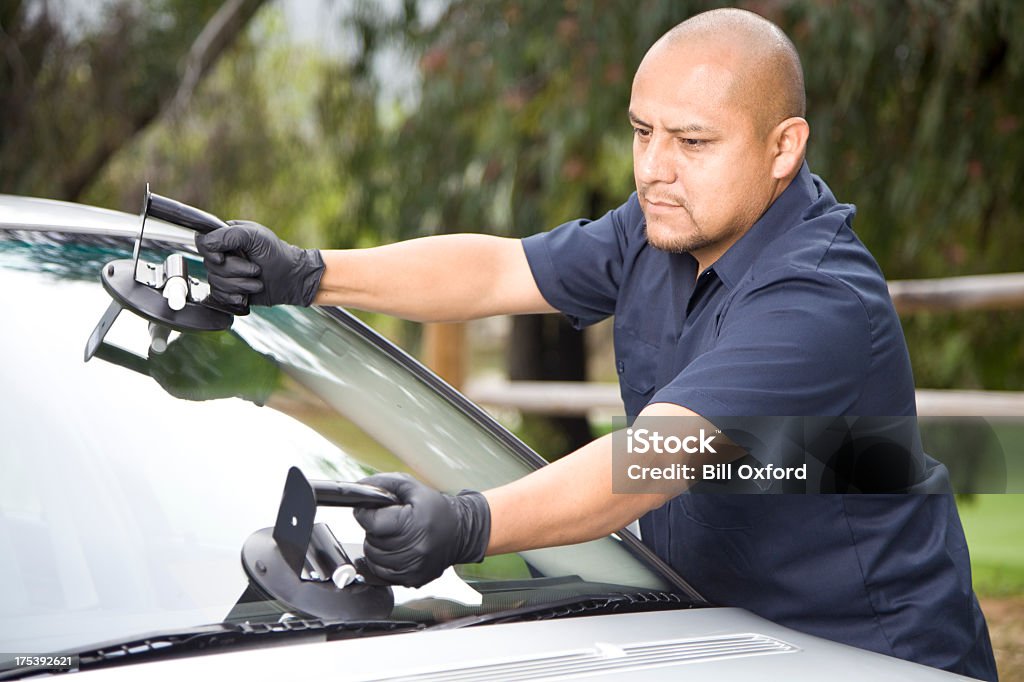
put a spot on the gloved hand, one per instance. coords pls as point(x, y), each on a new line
point(212, 365)
point(413, 543)
point(247, 258)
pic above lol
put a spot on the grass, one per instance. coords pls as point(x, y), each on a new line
point(994, 525)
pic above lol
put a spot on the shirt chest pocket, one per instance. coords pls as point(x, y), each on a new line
point(636, 362)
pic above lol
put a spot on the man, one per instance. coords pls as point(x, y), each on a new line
point(738, 288)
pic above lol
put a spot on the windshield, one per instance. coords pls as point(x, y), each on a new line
point(131, 482)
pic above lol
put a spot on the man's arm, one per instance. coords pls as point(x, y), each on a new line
point(433, 279)
point(571, 500)
point(567, 502)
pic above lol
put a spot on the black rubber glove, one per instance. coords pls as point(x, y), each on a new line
point(212, 365)
point(413, 543)
point(247, 258)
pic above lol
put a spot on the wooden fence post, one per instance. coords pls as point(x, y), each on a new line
point(445, 349)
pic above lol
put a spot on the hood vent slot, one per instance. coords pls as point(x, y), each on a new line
point(607, 657)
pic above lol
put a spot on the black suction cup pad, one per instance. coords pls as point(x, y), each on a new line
point(119, 280)
point(270, 573)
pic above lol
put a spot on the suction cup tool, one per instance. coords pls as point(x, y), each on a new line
point(162, 293)
point(303, 566)
point(121, 279)
point(118, 279)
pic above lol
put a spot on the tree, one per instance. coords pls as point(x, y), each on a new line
point(69, 102)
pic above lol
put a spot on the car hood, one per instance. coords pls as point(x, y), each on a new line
point(715, 645)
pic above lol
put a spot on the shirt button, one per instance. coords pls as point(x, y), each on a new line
point(621, 366)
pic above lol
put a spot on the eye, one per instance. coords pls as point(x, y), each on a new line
point(641, 133)
point(693, 143)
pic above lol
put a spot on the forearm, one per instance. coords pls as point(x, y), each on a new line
point(566, 502)
point(571, 499)
point(433, 279)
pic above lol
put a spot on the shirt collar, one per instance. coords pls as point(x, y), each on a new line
point(787, 211)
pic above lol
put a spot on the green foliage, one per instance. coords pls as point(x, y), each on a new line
point(68, 102)
point(969, 350)
point(247, 147)
point(997, 563)
point(520, 124)
point(916, 116)
point(519, 121)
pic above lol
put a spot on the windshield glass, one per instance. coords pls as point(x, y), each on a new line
point(131, 482)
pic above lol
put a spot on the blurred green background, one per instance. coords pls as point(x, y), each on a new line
point(353, 123)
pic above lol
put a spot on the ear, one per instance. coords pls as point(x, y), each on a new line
point(789, 145)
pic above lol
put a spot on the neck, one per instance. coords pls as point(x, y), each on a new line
point(709, 255)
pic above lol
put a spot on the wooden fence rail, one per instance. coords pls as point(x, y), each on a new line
point(576, 398)
point(978, 292)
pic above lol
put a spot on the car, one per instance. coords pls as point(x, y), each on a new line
point(176, 504)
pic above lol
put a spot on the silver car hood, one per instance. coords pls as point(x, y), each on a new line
point(713, 645)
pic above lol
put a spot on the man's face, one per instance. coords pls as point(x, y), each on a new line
point(702, 166)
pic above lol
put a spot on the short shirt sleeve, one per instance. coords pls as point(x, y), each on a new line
point(797, 344)
point(578, 265)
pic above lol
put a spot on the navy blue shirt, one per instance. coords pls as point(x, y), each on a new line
point(794, 319)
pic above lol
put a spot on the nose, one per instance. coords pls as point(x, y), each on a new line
point(654, 161)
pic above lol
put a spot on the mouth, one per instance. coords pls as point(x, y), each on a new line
point(662, 205)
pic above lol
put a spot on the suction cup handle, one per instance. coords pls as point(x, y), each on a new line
point(182, 214)
point(346, 494)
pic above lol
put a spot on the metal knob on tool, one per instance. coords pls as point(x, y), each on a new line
point(158, 335)
point(176, 281)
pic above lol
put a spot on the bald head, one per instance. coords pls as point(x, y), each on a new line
point(767, 78)
point(716, 109)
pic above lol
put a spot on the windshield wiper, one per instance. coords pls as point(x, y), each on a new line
point(138, 649)
point(579, 605)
